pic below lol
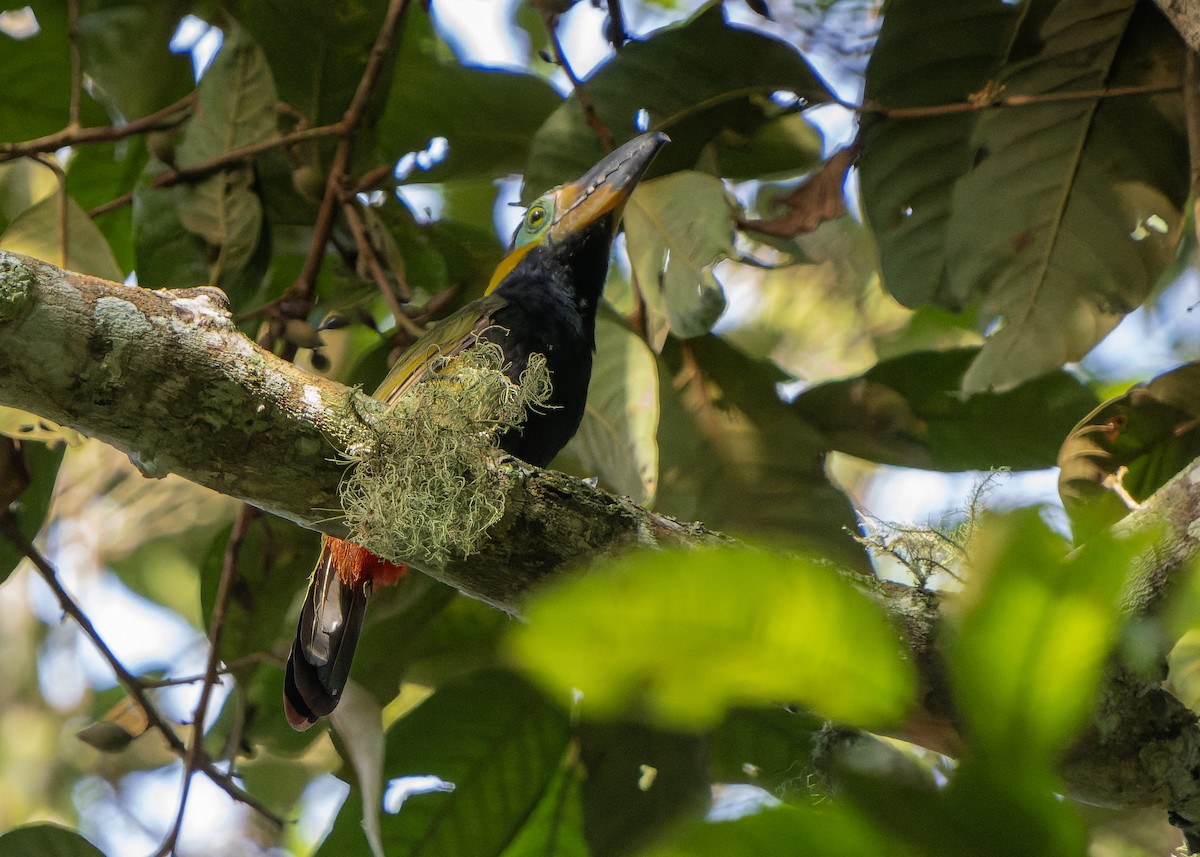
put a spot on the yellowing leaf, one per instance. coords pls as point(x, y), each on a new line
point(37, 232)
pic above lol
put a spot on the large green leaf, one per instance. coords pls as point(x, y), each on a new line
point(555, 827)
point(1133, 443)
point(908, 411)
point(491, 735)
point(46, 840)
point(35, 76)
point(1036, 630)
point(700, 81)
point(168, 255)
point(317, 50)
point(235, 107)
point(617, 439)
point(677, 228)
point(125, 47)
point(37, 232)
point(733, 455)
point(487, 116)
point(782, 831)
point(1056, 218)
point(681, 637)
point(640, 781)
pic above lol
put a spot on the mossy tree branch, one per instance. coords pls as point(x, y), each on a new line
point(167, 378)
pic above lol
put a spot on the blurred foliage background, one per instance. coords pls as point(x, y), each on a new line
point(880, 259)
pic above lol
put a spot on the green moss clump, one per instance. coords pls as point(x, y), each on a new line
point(422, 495)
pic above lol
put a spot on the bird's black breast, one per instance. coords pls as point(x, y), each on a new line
point(542, 319)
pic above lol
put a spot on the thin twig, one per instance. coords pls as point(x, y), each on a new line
point(615, 31)
point(192, 761)
point(994, 100)
point(76, 63)
point(367, 251)
point(240, 155)
point(168, 117)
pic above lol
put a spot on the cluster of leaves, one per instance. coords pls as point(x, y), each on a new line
point(1036, 210)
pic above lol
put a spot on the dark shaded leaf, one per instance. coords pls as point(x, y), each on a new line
point(36, 466)
point(771, 748)
point(695, 81)
point(124, 45)
point(35, 76)
point(1133, 443)
point(46, 840)
point(496, 739)
point(487, 116)
point(908, 411)
point(733, 455)
point(639, 782)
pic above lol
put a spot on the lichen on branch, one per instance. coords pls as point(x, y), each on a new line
point(421, 493)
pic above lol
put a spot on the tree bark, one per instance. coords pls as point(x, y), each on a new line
point(166, 377)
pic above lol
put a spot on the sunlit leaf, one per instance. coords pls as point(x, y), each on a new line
point(1128, 447)
point(22, 183)
point(677, 228)
point(1057, 217)
point(721, 77)
point(38, 232)
point(909, 411)
point(682, 637)
point(46, 840)
point(496, 739)
point(1036, 630)
point(617, 440)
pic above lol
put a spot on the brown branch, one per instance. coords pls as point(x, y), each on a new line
point(992, 97)
point(240, 155)
point(367, 251)
point(338, 171)
point(168, 117)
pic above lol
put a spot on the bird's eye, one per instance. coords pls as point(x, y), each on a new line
point(535, 217)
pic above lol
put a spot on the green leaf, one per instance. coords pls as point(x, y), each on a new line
point(734, 456)
point(35, 76)
point(125, 48)
point(37, 232)
point(46, 840)
point(617, 439)
point(781, 831)
point(317, 50)
point(488, 116)
point(782, 148)
point(41, 462)
point(168, 255)
point(1037, 628)
point(908, 411)
point(683, 637)
point(100, 173)
point(491, 735)
point(698, 81)
point(1136, 441)
point(555, 827)
point(677, 228)
point(235, 107)
point(23, 183)
point(640, 781)
point(771, 748)
point(1057, 218)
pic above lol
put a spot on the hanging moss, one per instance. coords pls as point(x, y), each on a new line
point(422, 493)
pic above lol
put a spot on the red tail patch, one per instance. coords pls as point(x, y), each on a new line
point(355, 565)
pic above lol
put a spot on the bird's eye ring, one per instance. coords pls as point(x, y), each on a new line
point(536, 215)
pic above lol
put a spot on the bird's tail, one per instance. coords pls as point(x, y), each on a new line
point(330, 624)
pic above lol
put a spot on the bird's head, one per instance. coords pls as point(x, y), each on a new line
point(572, 226)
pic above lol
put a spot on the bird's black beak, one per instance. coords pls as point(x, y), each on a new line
point(606, 187)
